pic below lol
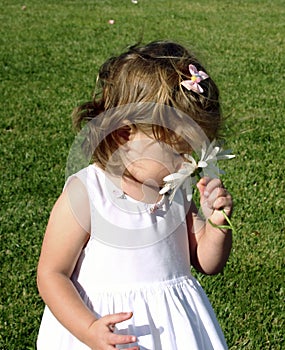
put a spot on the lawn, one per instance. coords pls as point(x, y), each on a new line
point(51, 51)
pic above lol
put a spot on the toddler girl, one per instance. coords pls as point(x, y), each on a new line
point(114, 270)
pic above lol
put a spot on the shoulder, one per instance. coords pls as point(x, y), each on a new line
point(74, 200)
point(86, 187)
point(82, 174)
point(89, 176)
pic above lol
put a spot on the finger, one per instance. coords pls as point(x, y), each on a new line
point(117, 339)
point(111, 327)
point(218, 216)
point(203, 182)
point(201, 185)
point(117, 318)
point(111, 320)
point(212, 185)
point(209, 198)
point(216, 193)
point(223, 202)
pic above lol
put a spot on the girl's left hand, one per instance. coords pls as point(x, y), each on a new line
point(214, 198)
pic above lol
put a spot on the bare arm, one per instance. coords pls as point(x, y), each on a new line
point(65, 237)
point(210, 247)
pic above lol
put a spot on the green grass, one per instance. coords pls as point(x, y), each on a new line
point(50, 55)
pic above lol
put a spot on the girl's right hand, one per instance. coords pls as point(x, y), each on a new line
point(102, 336)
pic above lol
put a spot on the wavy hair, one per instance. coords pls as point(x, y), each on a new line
point(150, 73)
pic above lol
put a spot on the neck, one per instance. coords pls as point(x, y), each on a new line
point(144, 192)
point(147, 192)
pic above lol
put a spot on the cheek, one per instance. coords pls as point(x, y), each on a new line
point(149, 169)
point(156, 156)
point(146, 159)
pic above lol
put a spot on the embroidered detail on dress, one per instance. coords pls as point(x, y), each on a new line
point(119, 194)
point(150, 208)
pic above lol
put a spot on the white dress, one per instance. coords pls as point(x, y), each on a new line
point(137, 259)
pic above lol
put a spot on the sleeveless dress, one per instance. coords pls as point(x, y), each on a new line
point(137, 259)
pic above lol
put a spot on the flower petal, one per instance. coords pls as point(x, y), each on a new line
point(197, 88)
point(172, 177)
point(193, 70)
point(203, 150)
point(188, 84)
point(225, 154)
point(172, 195)
point(209, 150)
point(202, 164)
point(190, 158)
point(165, 189)
point(189, 190)
point(192, 85)
point(203, 75)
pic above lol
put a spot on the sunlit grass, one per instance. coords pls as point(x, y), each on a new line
point(51, 51)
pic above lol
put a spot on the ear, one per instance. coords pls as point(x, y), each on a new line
point(123, 134)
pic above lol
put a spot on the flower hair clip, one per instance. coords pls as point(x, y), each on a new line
point(196, 78)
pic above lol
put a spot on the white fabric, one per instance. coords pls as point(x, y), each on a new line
point(150, 276)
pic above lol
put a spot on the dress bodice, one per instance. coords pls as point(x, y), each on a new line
point(148, 241)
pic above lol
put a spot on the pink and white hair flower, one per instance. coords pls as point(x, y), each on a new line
point(196, 78)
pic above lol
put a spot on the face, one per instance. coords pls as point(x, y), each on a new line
point(148, 160)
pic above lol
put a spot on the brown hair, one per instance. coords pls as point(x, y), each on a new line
point(151, 73)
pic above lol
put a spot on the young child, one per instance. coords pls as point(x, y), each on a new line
point(114, 270)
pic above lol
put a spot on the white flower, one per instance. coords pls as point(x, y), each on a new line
point(186, 175)
point(176, 180)
point(209, 157)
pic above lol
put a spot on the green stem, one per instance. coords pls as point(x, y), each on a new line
point(227, 227)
